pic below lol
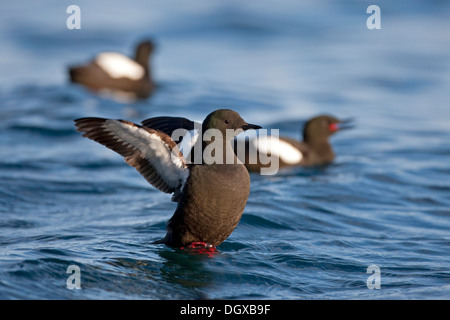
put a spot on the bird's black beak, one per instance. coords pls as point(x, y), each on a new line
point(250, 126)
point(345, 124)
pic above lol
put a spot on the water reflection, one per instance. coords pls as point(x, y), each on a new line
point(174, 274)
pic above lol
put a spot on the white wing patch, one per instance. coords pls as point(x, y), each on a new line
point(168, 164)
point(188, 142)
point(117, 66)
point(283, 150)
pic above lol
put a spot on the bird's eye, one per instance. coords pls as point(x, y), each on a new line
point(227, 121)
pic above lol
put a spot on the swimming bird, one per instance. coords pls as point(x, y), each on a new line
point(314, 150)
point(211, 196)
point(117, 75)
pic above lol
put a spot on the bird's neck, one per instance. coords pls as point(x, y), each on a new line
point(321, 147)
point(218, 152)
point(143, 59)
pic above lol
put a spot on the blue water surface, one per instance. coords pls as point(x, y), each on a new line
point(306, 233)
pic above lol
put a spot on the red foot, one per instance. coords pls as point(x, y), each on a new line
point(201, 247)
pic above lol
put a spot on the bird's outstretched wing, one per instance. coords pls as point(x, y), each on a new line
point(186, 138)
point(169, 124)
point(153, 153)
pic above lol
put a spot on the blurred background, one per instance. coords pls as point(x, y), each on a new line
point(302, 58)
point(306, 233)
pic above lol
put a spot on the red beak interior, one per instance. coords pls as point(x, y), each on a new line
point(333, 127)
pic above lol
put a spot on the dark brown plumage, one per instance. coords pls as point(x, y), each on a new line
point(211, 196)
point(314, 150)
point(118, 75)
